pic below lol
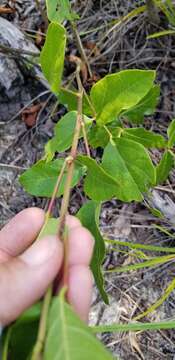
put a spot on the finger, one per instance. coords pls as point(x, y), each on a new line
point(81, 243)
point(72, 222)
point(80, 290)
point(21, 231)
point(25, 279)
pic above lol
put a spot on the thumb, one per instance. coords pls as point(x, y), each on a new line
point(23, 280)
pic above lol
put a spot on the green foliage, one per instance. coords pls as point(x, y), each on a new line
point(147, 138)
point(22, 334)
point(59, 10)
point(69, 338)
point(171, 134)
point(164, 167)
point(118, 92)
point(98, 185)
point(68, 97)
point(145, 107)
point(63, 134)
point(41, 178)
point(89, 217)
point(125, 172)
point(130, 166)
point(52, 55)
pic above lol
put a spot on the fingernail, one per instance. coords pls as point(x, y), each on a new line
point(41, 251)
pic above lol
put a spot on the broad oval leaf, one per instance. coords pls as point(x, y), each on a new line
point(118, 92)
point(171, 134)
point(164, 167)
point(147, 138)
point(145, 107)
point(130, 165)
point(89, 217)
point(63, 134)
point(41, 178)
point(68, 338)
point(52, 55)
point(98, 185)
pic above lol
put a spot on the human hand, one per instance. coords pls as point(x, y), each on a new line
point(27, 268)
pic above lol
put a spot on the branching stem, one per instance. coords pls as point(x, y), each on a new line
point(62, 232)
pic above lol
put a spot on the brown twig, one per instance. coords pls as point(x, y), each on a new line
point(62, 233)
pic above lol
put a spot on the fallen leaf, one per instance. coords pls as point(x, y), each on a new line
point(29, 115)
point(6, 10)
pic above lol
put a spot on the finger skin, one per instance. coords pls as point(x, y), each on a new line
point(20, 232)
point(25, 279)
point(80, 290)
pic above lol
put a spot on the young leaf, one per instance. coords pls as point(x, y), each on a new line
point(59, 10)
point(52, 55)
point(98, 136)
point(147, 138)
point(145, 107)
point(98, 185)
point(164, 167)
point(118, 92)
point(130, 165)
point(41, 178)
point(171, 134)
point(89, 217)
point(68, 97)
point(63, 134)
point(68, 338)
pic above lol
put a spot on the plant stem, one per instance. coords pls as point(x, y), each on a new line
point(85, 137)
point(43, 325)
point(80, 47)
point(56, 190)
point(69, 162)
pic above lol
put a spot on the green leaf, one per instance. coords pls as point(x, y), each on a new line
point(68, 97)
point(148, 263)
point(171, 134)
point(161, 33)
point(68, 338)
point(59, 10)
point(63, 134)
point(98, 185)
point(98, 136)
point(23, 336)
point(118, 92)
point(41, 178)
point(145, 107)
point(89, 217)
point(164, 167)
point(134, 327)
point(130, 165)
point(147, 138)
point(52, 55)
point(49, 228)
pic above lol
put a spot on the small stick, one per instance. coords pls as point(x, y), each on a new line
point(61, 227)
